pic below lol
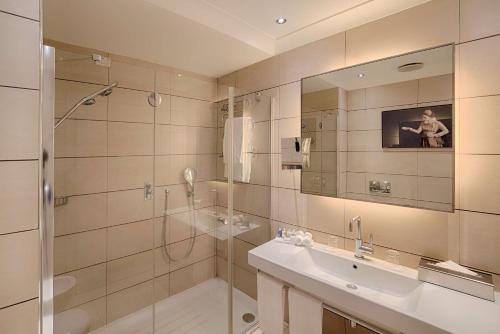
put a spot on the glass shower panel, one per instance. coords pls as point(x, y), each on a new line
point(251, 197)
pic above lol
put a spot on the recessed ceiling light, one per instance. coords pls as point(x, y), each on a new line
point(179, 75)
point(281, 20)
point(361, 75)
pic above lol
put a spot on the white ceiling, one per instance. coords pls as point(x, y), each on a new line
point(212, 37)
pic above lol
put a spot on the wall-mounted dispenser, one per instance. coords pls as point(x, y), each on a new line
point(295, 152)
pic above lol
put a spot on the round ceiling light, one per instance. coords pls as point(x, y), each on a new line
point(281, 20)
point(361, 75)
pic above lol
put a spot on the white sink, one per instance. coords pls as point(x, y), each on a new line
point(388, 296)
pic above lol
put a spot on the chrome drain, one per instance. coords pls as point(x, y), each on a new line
point(352, 286)
point(248, 317)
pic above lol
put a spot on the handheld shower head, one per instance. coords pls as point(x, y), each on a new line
point(190, 177)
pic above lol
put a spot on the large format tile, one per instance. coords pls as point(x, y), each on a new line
point(81, 138)
point(20, 56)
point(403, 32)
point(79, 70)
point(129, 239)
point(130, 300)
point(395, 94)
point(193, 112)
point(478, 19)
point(78, 176)
point(128, 206)
point(21, 318)
point(479, 67)
point(128, 105)
point(130, 139)
point(479, 183)
point(192, 275)
point(132, 76)
point(19, 200)
point(259, 76)
point(290, 97)
point(27, 8)
point(169, 169)
point(480, 240)
point(80, 250)
point(194, 86)
point(81, 213)
point(18, 124)
point(130, 270)
point(314, 58)
point(129, 172)
point(19, 267)
point(479, 132)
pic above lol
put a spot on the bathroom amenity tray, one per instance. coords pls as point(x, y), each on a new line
point(479, 286)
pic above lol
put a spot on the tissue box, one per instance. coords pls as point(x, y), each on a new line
point(479, 286)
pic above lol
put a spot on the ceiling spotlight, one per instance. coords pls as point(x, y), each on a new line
point(179, 75)
point(281, 20)
point(361, 75)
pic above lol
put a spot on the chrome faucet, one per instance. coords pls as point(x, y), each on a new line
point(360, 247)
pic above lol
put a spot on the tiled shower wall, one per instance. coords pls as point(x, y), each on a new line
point(19, 152)
point(470, 235)
point(108, 236)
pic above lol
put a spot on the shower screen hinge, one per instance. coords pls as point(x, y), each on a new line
point(148, 191)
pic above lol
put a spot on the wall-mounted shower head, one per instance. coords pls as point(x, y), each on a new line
point(89, 102)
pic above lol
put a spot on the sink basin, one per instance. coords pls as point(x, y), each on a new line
point(389, 297)
point(63, 284)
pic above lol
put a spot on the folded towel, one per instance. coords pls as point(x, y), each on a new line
point(271, 304)
point(242, 148)
point(305, 313)
point(456, 267)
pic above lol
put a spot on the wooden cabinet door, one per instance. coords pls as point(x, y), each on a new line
point(333, 323)
point(358, 329)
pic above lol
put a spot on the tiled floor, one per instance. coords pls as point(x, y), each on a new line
point(199, 310)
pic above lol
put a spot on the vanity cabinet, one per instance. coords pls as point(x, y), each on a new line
point(335, 324)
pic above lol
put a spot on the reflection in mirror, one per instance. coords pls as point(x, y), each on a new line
point(383, 131)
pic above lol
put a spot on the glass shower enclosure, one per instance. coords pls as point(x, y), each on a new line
point(147, 221)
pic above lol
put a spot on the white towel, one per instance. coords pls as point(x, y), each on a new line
point(271, 304)
point(305, 313)
point(243, 147)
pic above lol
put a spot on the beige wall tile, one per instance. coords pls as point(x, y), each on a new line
point(479, 183)
point(480, 240)
point(185, 140)
point(411, 230)
point(400, 93)
point(245, 281)
point(21, 180)
point(85, 71)
point(192, 275)
point(314, 58)
point(96, 309)
point(479, 133)
point(383, 162)
point(127, 301)
point(68, 93)
point(20, 58)
point(478, 19)
point(129, 239)
point(128, 206)
point(479, 66)
point(130, 270)
point(163, 81)
point(18, 124)
point(198, 87)
point(19, 267)
point(162, 262)
point(130, 139)
point(162, 112)
point(178, 201)
point(193, 112)
point(366, 140)
point(29, 9)
point(78, 176)
point(253, 199)
point(79, 250)
point(435, 189)
point(81, 213)
point(90, 285)
point(128, 105)
point(241, 249)
point(129, 172)
point(132, 76)
point(181, 225)
point(170, 169)
point(203, 248)
point(21, 318)
point(438, 88)
point(290, 96)
point(370, 119)
point(79, 138)
point(439, 164)
point(162, 288)
point(403, 32)
point(356, 99)
point(259, 76)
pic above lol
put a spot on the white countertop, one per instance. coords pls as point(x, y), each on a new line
point(426, 309)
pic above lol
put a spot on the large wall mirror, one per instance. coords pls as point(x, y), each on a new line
point(383, 131)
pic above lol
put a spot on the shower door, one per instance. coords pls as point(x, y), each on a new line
point(243, 175)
